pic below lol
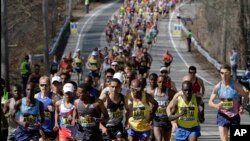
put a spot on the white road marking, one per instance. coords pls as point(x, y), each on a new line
point(86, 23)
point(174, 45)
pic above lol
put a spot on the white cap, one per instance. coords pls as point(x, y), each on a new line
point(133, 55)
point(78, 50)
point(119, 76)
point(94, 53)
point(56, 79)
point(68, 87)
point(114, 63)
point(120, 50)
point(163, 68)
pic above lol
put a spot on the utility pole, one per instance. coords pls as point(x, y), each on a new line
point(45, 30)
point(70, 9)
point(4, 44)
point(224, 53)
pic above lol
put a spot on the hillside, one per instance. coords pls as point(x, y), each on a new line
point(223, 25)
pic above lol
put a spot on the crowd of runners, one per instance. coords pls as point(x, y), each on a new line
point(119, 98)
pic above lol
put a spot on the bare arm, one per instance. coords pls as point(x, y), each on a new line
point(202, 87)
point(103, 94)
point(104, 111)
point(172, 109)
point(154, 104)
point(75, 113)
point(212, 98)
point(57, 109)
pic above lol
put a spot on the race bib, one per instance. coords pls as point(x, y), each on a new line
point(161, 111)
point(30, 119)
point(47, 115)
point(138, 113)
point(190, 114)
point(227, 104)
point(86, 123)
point(66, 121)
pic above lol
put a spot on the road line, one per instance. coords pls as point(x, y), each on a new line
point(173, 43)
point(89, 18)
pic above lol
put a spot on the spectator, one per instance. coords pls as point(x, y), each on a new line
point(25, 71)
point(189, 40)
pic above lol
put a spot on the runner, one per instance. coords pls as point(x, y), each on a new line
point(198, 87)
point(115, 103)
point(35, 76)
point(88, 113)
point(186, 108)
point(78, 63)
point(28, 110)
point(161, 124)
point(8, 109)
point(54, 66)
point(64, 115)
point(228, 91)
point(45, 96)
point(167, 59)
point(142, 108)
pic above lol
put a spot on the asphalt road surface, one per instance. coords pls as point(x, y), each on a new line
point(91, 35)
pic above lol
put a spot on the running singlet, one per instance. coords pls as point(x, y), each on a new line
point(190, 119)
point(196, 86)
point(78, 62)
point(29, 114)
point(162, 102)
point(115, 111)
point(48, 116)
point(230, 99)
point(139, 119)
point(92, 64)
point(64, 113)
point(86, 114)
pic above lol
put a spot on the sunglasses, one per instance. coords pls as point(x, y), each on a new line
point(224, 72)
point(164, 71)
point(135, 89)
point(43, 85)
point(109, 76)
point(192, 72)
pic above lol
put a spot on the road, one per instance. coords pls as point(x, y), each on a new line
point(91, 35)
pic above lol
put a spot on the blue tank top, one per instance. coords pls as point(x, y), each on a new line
point(231, 100)
point(29, 114)
point(49, 118)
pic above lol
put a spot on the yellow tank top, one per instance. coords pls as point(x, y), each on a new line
point(92, 63)
point(78, 62)
point(190, 119)
point(141, 111)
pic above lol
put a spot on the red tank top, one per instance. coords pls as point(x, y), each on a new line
point(196, 86)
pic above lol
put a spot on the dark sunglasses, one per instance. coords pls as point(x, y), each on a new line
point(43, 85)
point(164, 71)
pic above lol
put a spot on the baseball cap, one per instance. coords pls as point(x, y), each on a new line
point(56, 79)
point(68, 87)
point(119, 76)
point(114, 63)
point(94, 53)
point(163, 69)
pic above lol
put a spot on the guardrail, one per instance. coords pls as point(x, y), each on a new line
point(56, 41)
point(209, 58)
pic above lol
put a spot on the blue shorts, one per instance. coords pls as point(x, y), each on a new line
point(225, 121)
point(78, 70)
point(139, 135)
point(182, 134)
point(24, 135)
